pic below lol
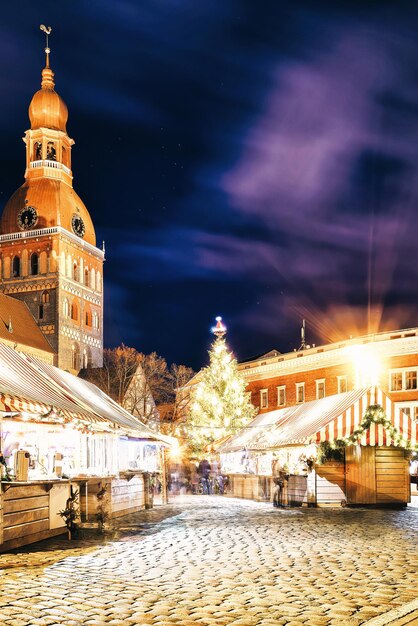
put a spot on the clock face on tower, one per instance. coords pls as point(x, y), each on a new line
point(78, 225)
point(27, 218)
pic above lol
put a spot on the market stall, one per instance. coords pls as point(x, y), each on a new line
point(350, 448)
point(58, 431)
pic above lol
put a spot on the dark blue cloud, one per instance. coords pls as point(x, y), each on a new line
point(255, 162)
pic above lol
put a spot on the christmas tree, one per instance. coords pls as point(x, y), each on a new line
point(219, 405)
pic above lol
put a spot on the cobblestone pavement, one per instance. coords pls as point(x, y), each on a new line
point(219, 561)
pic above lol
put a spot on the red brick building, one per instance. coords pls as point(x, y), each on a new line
point(389, 360)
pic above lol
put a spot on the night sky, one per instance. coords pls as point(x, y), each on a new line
point(256, 160)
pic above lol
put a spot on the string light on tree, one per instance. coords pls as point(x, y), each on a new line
point(220, 405)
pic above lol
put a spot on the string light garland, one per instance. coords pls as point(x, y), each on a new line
point(374, 414)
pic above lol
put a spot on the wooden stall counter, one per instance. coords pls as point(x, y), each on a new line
point(128, 492)
point(250, 486)
point(88, 488)
point(29, 511)
point(123, 494)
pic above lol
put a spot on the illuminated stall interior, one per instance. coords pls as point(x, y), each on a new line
point(57, 430)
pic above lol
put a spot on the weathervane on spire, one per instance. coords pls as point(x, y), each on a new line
point(220, 329)
point(47, 30)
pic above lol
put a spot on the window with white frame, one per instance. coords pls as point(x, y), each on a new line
point(281, 395)
point(320, 388)
point(264, 399)
point(408, 408)
point(300, 393)
point(395, 381)
point(342, 384)
point(411, 379)
point(405, 379)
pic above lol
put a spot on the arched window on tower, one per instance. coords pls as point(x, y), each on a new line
point(93, 278)
point(74, 310)
point(75, 361)
point(34, 264)
point(65, 160)
point(16, 266)
point(37, 151)
point(66, 308)
point(86, 276)
point(75, 271)
point(51, 153)
point(95, 320)
point(87, 316)
point(44, 300)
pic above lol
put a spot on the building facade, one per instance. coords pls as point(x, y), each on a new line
point(389, 360)
point(48, 253)
point(19, 330)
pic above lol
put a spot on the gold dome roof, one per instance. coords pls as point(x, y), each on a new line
point(55, 203)
point(47, 109)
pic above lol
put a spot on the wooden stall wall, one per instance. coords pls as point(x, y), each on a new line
point(371, 475)
point(330, 483)
point(127, 495)
point(88, 490)
point(392, 476)
point(26, 513)
point(297, 490)
point(250, 487)
point(360, 474)
point(265, 488)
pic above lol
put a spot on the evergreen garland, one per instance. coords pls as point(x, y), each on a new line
point(333, 450)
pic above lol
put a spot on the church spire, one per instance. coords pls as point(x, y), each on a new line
point(47, 73)
point(47, 30)
point(47, 109)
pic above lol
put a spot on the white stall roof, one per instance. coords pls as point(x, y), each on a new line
point(30, 386)
point(330, 418)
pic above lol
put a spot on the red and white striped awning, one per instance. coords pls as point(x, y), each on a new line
point(90, 398)
point(43, 391)
point(348, 421)
point(330, 418)
point(23, 390)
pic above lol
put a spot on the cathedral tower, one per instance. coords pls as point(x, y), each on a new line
point(48, 253)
